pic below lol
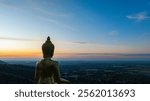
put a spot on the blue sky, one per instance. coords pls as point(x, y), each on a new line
point(77, 26)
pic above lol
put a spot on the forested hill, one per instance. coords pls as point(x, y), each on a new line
point(15, 74)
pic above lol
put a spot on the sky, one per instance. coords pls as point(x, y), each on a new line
point(79, 29)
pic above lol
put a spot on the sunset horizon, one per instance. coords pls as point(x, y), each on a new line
point(90, 30)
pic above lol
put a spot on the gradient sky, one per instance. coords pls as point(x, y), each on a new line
point(80, 29)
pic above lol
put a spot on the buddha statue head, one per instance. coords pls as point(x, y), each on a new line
point(48, 48)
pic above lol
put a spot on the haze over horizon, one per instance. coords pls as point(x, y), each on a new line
point(79, 29)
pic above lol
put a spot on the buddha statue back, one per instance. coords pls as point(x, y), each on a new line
point(47, 70)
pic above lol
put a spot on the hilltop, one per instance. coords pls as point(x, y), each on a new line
point(2, 62)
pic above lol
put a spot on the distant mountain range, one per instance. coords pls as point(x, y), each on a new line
point(2, 62)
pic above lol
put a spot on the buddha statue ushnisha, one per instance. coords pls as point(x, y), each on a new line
point(47, 70)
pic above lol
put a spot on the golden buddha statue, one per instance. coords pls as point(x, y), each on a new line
point(47, 70)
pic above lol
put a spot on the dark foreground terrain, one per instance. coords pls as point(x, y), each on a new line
point(82, 72)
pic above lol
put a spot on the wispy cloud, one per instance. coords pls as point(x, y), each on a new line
point(116, 54)
point(113, 32)
point(17, 39)
point(109, 56)
point(10, 5)
point(80, 42)
point(56, 22)
point(54, 8)
point(33, 5)
point(52, 15)
point(139, 16)
point(58, 14)
point(40, 12)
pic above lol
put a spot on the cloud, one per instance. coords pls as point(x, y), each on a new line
point(139, 16)
point(56, 22)
point(53, 10)
point(80, 42)
point(35, 9)
point(109, 56)
point(17, 39)
point(113, 33)
point(10, 5)
point(58, 14)
point(33, 5)
point(116, 54)
point(147, 55)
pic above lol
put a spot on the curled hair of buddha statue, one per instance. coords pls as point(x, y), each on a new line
point(48, 48)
